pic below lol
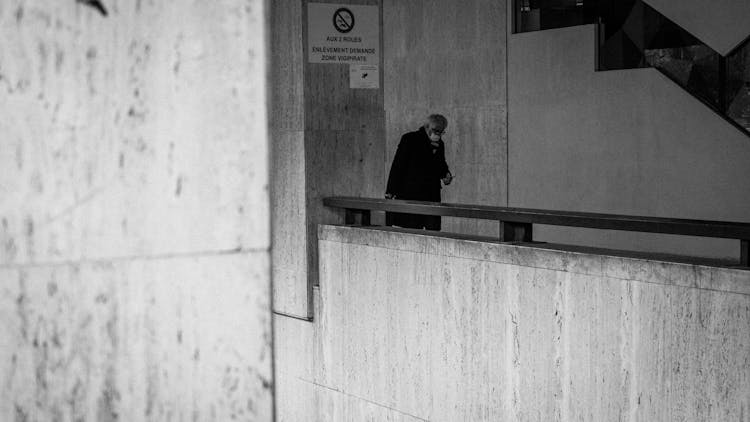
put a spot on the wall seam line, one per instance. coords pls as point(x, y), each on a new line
point(117, 259)
point(362, 398)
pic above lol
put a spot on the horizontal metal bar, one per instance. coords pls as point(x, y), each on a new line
point(704, 228)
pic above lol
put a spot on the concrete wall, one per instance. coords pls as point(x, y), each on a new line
point(344, 135)
point(328, 140)
point(332, 140)
point(450, 57)
point(722, 25)
point(624, 142)
point(417, 328)
point(291, 291)
point(627, 142)
point(134, 220)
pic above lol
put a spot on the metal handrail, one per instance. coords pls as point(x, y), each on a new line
point(516, 224)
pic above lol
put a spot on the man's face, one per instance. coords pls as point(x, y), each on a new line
point(435, 131)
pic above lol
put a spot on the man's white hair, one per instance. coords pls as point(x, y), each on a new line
point(437, 119)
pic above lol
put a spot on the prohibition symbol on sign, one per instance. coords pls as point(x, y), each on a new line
point(343, 20)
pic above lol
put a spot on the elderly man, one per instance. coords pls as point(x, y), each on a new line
point(416, 172)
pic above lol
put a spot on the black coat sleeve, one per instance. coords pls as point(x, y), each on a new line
point(444, 170)
point(396, 178)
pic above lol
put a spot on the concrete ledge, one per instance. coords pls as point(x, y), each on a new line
point(577, 260)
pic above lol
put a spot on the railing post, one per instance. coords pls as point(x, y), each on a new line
point(358, 217)
point(349, 217)
point(515, 232)
point(745, 252)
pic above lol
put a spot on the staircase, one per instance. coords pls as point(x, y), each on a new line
point(631, 34)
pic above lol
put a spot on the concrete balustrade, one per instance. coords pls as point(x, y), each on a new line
point(412, 327)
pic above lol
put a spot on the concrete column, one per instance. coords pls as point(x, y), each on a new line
point(328, 139)
point(134, 219)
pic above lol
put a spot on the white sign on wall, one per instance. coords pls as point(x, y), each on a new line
point(365, 76)
point(343, 33)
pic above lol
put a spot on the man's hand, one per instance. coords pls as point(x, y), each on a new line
point(390, 196)
point(447, 179)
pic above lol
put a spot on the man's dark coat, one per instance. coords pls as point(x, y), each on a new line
point(415, 174)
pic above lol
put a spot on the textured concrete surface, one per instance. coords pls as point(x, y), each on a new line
point(574, 139)
point(624, 142)
point(420, 328)
point(449, 57)
point(721, 25)
point(287, 121)
point(344, 142)
point(328, 140)
point(349, 136)
point(175, 339)
point(108, 150)
point(134, 232)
